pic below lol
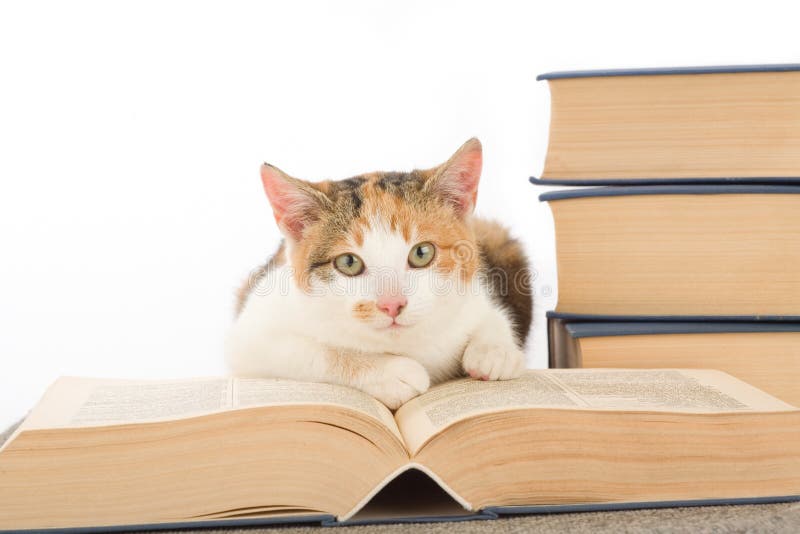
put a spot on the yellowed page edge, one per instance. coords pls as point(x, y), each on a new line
point(64, 404)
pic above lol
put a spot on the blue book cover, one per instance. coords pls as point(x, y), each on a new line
point(494, 512)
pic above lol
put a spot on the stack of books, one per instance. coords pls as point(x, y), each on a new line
point(690, 256)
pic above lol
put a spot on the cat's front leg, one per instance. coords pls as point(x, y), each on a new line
point(391, 379)
point(492, 352)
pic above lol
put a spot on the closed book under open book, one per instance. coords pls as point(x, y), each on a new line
point(105, 454)
point(701, 124)
point(678, 251)
point(766, 355)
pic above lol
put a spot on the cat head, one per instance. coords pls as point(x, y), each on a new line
point(386, 248)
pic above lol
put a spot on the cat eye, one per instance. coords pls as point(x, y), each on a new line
point(421, 254)
point(348, 264)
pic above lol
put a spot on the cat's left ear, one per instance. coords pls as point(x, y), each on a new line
point(456, 181)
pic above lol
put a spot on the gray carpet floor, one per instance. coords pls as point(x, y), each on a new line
point(772, 518)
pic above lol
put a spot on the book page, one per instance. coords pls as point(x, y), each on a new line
point(76, 402)
point(249, 392)
point(667, 390)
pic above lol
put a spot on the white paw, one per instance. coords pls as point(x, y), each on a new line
point(493, 361)
point(398, 381)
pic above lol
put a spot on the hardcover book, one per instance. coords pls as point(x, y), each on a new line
point(111, 454)
point(701, 124)
point(678, 251)
point(766, 355)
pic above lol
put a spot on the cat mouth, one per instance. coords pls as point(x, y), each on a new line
point(394, 325)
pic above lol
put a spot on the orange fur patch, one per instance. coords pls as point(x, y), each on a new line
point(457, 249)
point(429, 220)
point(364, 309)
point(358, 235)
point(347, 366)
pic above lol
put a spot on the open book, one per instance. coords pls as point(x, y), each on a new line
point(104, 453)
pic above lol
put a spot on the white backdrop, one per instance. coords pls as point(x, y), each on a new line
point(131, 134)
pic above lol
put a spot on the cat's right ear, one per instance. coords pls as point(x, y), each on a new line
point(295, 203)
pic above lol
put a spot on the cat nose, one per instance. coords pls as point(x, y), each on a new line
point(392, 305)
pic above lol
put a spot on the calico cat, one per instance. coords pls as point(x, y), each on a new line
point(384, 282)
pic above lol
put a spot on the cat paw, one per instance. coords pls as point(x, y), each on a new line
point(492, 361)
point(400, 380)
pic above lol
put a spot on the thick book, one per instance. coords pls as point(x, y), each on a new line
point(678, 252)
point(125, 455)
point(696, 124)
point(766, 355)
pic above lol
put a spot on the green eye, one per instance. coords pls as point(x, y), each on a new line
point(421, 254)
point(349, 264)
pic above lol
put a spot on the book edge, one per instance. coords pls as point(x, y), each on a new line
point(581, 329)
point(667, 71)
point(320, 519)
point(471, 516)
point(741, 180)
point(490, 512)
point(553, 314)
point(638, 190)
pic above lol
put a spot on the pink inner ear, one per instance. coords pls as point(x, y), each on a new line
point(290, 206)
point(462, 175)
point(276, 189)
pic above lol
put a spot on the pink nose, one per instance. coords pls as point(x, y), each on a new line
point(392, 305)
